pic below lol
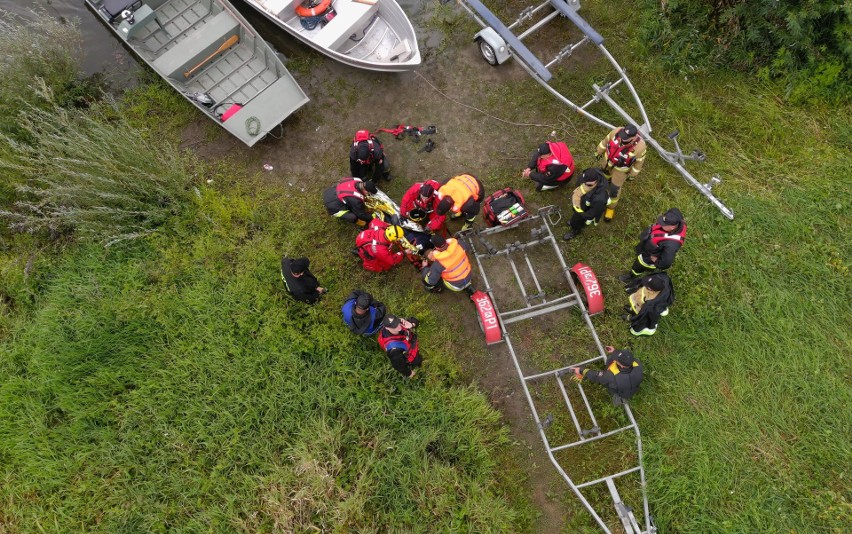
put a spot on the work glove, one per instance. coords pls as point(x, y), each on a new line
point(414, 322)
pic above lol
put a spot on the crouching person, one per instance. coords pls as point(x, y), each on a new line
point(449, 263)
point(299, 280)
point(363, 314)
point(622, 375)
point(650, 298)
point(399, 341)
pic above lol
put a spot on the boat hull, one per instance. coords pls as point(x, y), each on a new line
point(208, 52)
point(376, 37)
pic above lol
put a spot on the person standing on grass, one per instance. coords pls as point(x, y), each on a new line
point(589, 201)
point(622, 154)
point(399, 341)
point(551, 165)
point(363, 314)
point(650, 298)
point(658, 245)
point(299, 281)
point(367, 158)
point(621, 377)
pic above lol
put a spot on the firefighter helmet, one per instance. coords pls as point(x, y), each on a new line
point(394, 233)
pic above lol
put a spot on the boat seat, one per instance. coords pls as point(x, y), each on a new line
point(114, 8)
point(197, 46)
point(351, 18)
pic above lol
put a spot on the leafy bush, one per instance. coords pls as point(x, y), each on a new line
point(91, 173)
point(806, 44)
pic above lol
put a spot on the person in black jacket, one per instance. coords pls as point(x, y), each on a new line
point(346, 200)
point(362, 313)
point(589, 200)
point(299, 281)
point(650, 298)
point(367, 158)
point(622, 375)
point(658, 245)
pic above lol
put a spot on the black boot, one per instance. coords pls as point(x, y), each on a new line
point(626, 277)
point(570, 235)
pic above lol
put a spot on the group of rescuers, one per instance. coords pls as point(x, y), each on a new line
point(443, 259)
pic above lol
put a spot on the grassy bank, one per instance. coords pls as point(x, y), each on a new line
point(169, 384)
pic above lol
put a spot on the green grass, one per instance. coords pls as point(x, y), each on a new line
point(170, 385)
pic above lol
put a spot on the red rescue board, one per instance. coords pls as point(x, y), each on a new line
point(487, 318)
point(591, 287)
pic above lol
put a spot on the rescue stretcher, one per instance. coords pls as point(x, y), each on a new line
point(538, 299)
point(498, 43)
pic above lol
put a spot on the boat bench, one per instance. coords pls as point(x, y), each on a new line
point(351, 17)
point(197, 46)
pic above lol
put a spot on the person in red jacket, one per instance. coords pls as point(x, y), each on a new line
point(399, 341)
point(375, 246)
point(420, 204)
point(550, 166)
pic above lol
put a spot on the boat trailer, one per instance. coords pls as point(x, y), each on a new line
point(530, 261)
point(498, 43)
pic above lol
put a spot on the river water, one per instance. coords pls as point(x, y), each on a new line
point(105, 54)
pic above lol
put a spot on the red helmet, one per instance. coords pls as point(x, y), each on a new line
point(362, 135)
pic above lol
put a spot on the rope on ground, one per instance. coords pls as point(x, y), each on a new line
point(474, 108)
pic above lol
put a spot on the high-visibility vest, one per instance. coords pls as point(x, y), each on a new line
point(454, 261)
point(460, 188)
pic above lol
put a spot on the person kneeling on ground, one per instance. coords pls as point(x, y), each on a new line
point(420, 203)
point(461, 195)
point(622, 375)
point(550, 166)
point(299, 281)
point(449, 263)
point(363, 314)
point(399, 341)
point(589, 200)
point(346, 200)
point(650, 298)
point(375, 246)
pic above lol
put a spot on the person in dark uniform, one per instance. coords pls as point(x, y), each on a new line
point(363, 314)
point(589, 201)
point(658, 245)
point(367, 158)
point(650, 298)
point(551, 165)
point(299, 281)
point(622, 375)
point(346, 200)
point(399, 341)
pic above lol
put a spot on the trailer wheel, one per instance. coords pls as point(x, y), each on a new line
point(487, 51)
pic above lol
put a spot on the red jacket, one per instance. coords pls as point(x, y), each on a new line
point(412, 200)
point(374, 249)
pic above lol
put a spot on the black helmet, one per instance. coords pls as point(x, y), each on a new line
point(625, 357)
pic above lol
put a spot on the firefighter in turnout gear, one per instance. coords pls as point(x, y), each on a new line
point(461, 195)
point(622, 154)
point(399, 341)
point(367, 158)
point(622, 376)
point(658, 245)
point(346, 200)
point(375, 246)
point(450, 264)
point(650, 298)
point(589, 201)
point(420, 204)
point(551, 165)
point(362, 313)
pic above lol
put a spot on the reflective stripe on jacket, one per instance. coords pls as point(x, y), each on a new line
point(454, 261)
point(461, 188)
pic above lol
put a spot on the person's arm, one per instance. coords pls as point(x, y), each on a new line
point(666, 257)
point(641, 151)
point(378, 151)
point(408, 200)
point(432, 274)
point(533, 160)
point(576, 198)
point(358, 209)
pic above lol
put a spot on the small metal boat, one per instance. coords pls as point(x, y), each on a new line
point(210, 54)
point(367, 34)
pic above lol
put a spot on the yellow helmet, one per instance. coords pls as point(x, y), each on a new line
point(394, 233)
